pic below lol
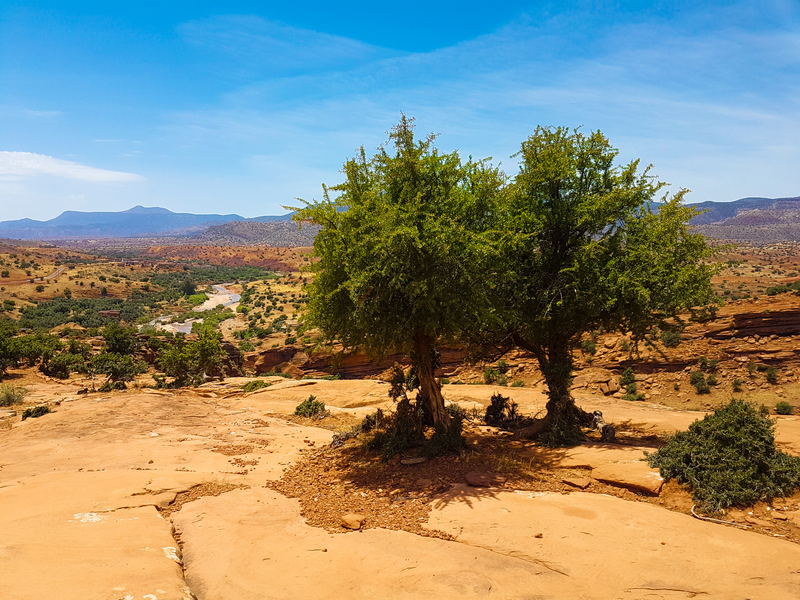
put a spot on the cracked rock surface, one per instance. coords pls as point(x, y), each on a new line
point(144, 496)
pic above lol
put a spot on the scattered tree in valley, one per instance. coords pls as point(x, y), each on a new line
point(402, 255)
point(582, 247)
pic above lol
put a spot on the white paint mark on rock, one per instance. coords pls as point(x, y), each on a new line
point(172, 553)
point(89, 517)
point(153, 434)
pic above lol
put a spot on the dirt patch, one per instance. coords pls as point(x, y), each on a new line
point(197, 492)
point(234, 449)
point(330, 483)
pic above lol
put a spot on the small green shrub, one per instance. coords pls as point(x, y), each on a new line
point(518, 383)
point(444, 381)
point(737, 385)
point(729, 458)
point(310, 407)
point(502, 379)
point(11, 394)
point(783, 408)
point(633, 397)
point(751, 367)
point(449, 439)
point(501, 412)
point(625, 344)
point(709, 366)
point(711, 379)
point(490, 375)
point(252, 386)
point(772, 375)
point(502, 366)
point(670, 338)
point(35, 412)
point(588, 347)
point(628, 377)
point(631, 388)
point(698, 380)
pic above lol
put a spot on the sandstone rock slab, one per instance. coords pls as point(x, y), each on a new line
point(484, 479)
point(636, 475)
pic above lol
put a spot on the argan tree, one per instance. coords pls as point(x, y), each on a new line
point(585, 246)
point(402, 255)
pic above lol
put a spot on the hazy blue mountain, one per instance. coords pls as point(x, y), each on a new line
point(719, 212)
point(138, 221)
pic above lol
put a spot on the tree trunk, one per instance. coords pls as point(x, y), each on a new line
point(423, 358)
point(564, 418)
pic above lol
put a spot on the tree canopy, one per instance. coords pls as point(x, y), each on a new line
point(584, 246)
point(419, 249)
point(401, 254)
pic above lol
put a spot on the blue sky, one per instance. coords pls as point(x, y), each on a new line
point(241, 107)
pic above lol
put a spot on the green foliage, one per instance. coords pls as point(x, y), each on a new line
point(119, 339)
point(729, 458)
point(698, 380)
point(502, 366)
point(197, 299)
point(704, 313)
point(11, 394)
point(116, 367)
point(402, 253)
point(736, 384)
point(772, 375)
point(503, 412)
point(9, 348)
point(709, 366)
point(490, 375)
point(584, 249)
point(783, 408)
point(61, 365)
point(35, 412)
point(311, 407)
point(628, 377)
point(447, 439)
point(252, 386)
point(670, 338)
point(588, 347)
point(189, 363)
point(518, 383)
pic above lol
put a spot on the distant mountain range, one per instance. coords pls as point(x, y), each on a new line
point(138, 221)
point(757, 220)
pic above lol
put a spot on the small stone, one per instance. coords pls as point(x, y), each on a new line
point(779, 516)
point(424, 482)
point(352, 521)
point(757, 522)
point(413, 461)
point(539, 536)
point(395, 460)
point(578, 482)
point(483, 479)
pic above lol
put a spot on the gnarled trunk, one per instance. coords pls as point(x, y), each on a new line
point(424, 358)
point(562, 426)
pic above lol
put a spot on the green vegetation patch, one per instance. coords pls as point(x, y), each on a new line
point(310, 407)
point(729, 458)
point(252, 386)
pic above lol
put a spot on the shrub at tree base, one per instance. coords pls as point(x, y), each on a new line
point(729, 458)
point(35, 412)
point(310, 407)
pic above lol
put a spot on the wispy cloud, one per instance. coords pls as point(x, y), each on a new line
point(19, 165)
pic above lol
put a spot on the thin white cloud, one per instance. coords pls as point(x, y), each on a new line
point(18, 165)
